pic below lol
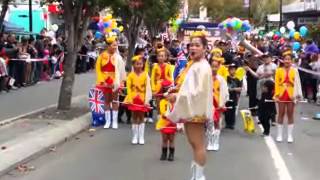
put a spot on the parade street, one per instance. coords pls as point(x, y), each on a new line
point(108, 155)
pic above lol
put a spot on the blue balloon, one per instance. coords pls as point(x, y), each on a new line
point(98, 35)
point(229, 24)
point(246, 27)
point(278, 33)
point(106, 24)
point(303, 31)
point(291, 33)
point(296, 46)
point(221, 26)
point(233, 23)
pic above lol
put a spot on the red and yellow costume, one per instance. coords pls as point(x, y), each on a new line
point(138, 91)
point(287, 84)
point(220, 96)
point(160, 72)
point(110, 71)
point(163, 124)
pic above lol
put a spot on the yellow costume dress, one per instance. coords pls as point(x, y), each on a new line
point(287, 84)
point(138, 91)
point(110, 70)
point(160, 73)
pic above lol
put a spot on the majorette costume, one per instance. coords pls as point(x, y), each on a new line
point(110, 70)
point(220, 97)
point(138, 96)
point(165, 125)
point(160, 72)
point(194, 100)
point(287, 89)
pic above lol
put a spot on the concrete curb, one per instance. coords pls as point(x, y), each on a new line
point(36, 143)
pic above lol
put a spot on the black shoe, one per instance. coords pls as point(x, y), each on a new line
point(171, 154)
point(164, 154)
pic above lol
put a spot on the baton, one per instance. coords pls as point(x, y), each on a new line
point(138, 105)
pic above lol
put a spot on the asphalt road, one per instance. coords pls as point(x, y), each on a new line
point(24, 100)
point(108, 155)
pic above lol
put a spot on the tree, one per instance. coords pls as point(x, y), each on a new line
point(5, 6)
point(159, 12)
point(76, 17)
point(221, 9)
point(134, 12)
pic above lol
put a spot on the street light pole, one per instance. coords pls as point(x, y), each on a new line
point(30, 16)
point(280, 8)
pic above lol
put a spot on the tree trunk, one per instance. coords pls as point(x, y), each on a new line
point(132, 35)
point(5, 6)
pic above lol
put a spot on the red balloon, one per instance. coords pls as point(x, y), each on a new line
point(275, 37)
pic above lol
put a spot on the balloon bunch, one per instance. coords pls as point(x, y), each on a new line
point(235, 25)
point(107, 25)
point(297, 36)
point(289, 32)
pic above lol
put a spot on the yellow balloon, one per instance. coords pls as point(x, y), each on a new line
point(107, 30)
point(114, 25)
point(109, 16)
point(296, 36)
point(121, 28)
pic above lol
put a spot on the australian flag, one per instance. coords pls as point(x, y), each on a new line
point(97, 106)
point(180, 63)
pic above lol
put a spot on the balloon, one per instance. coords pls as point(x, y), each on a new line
point(276, 37)
point(278, 33)
point(238, 25)
point(303, 31)
point(283, 30)
point(116, 30)
point(121, 28)
point(55, 27)
point(296, 46)
point(290, 25)
point(296, 36)
point(291, 33)
point(233, 23)
point(229, 24)
point(106, 24)
point(98, 35)
point(221, 26)
point(114, 25)
point(107, 18)
point(107, 30)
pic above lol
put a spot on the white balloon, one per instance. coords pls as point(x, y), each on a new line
point(290, 25)
point(55, 27)
point(283, 30)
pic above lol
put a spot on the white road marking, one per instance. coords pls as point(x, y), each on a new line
point(280, 165)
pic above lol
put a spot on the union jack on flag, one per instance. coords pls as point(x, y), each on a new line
point(96, 101)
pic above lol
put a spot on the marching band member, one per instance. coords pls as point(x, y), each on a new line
point(287, 92)
point(167, 128)
point(220, 97)
point(193, 102)
point(138, 97)
point(161, 71)
point(110, 70)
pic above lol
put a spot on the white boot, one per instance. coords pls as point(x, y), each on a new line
point(108, 119)
point(114, 119)
point(216, 143)
point(290, 129)
point(279, 133)
point(210, 142)
point(141, 133)
point(197, 172)
point(135, 132)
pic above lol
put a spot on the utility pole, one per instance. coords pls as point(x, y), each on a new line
point(30, 16)
point(249, 10)
point(280, 8)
